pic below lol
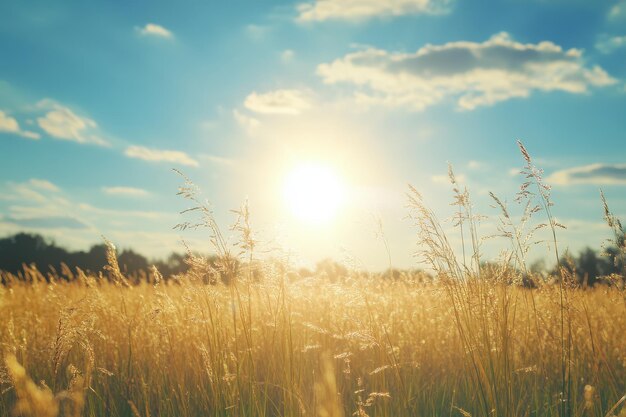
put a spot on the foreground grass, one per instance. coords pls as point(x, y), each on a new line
point(307, 347)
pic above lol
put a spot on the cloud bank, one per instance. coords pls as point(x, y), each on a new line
point(594, 174)
point(474, 74)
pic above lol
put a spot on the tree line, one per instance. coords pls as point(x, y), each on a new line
point(588, 267)
point(33, 249)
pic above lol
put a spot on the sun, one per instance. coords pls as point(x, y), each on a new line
point(314, 193)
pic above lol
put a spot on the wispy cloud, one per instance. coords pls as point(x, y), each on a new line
point(475, 74)
point(160, 155)
point(120, 214)
point(607, 44)
point(39, 206)
point(9, 124)
point(35, 198)
point(48, 222)
point(32, 191)
point(154, 30)
point(475, 165)
point(257, 32)
point(61, 122)
point(23, 192)
point(290, 102)
point(44, 185)
point(618, 11)
point(287, 55)
point(364, 9)
point(594, 174)
point(125, 191)
point(30, 204)
point(249, 123)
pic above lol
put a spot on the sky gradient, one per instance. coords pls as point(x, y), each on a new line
point(100, 100)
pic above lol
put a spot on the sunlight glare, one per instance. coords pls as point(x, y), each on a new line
point(314, 193)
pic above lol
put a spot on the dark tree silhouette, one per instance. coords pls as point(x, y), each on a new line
point(174, 265)
point(24, 248)
point(590, 267)
point(32, 249)
point(131, 262)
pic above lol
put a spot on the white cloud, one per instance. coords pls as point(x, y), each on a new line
point(159, 155)
point(152, 29)
point(29, 135)
point(44, 185)
point(317, 10)
point(61, 122)
point(53, 214)
point(607, 44)
point(30, 191)
point(289, 102)
point(287, 55)
point(594, 174)
point(44, 209)
point(125, 191)
point(245, 121)
point(23, 192)
point(10, 125)
point(618, 10)
point(475, 74)
point(7, 123)
point(33, 191)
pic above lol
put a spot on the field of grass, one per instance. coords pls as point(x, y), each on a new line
point(473, 341)
point(309, 347)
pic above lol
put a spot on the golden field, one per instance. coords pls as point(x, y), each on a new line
point(366, 346)
point(244, 337)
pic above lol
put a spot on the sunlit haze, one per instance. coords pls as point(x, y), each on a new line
point(318, 113)
point(314, 193)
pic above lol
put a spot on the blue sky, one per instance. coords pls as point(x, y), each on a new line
point(100, 100)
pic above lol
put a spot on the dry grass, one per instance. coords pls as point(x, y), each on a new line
point(472, 342)
point(387, 349)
